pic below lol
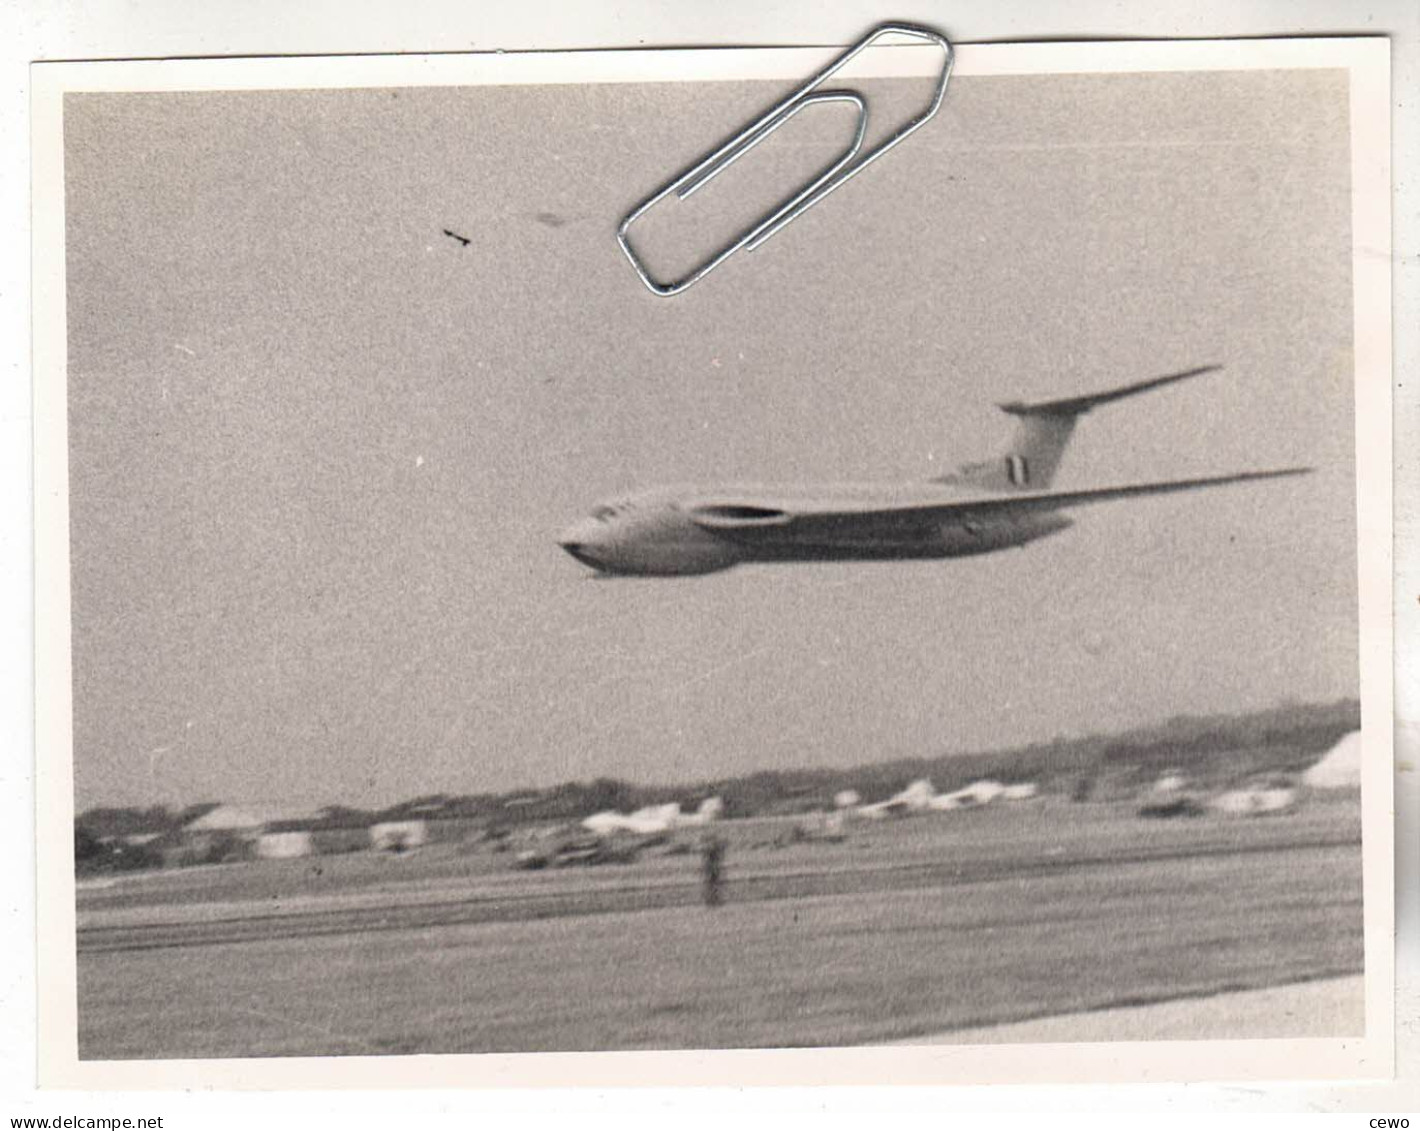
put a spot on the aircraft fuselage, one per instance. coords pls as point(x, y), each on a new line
point(654, 534)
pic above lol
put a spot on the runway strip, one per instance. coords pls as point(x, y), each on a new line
point(918, 928)
point(218, 923)
point(1322, 1008)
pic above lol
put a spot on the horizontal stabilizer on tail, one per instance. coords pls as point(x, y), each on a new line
point(1075, 406)
point(1042, 431)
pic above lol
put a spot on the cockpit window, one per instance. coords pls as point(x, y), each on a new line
point(611, 510)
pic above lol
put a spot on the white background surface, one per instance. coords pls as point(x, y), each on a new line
point(111, 29)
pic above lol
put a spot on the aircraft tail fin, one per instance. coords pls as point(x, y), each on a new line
point(1043, 431)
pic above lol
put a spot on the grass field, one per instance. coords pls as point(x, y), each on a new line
point(911, 927)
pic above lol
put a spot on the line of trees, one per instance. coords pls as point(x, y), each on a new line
point(1213, 750)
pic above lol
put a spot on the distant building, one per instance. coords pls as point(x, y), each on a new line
point(249, 819)
point(284, 845)
point(1340, 767)
point(243, 831)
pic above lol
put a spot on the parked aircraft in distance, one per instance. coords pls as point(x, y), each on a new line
point(921, 796)
point(654, 818)
point(979, 508)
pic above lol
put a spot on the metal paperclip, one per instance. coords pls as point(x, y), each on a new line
point(847, 165)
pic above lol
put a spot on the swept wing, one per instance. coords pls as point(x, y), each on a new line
point(752, 518)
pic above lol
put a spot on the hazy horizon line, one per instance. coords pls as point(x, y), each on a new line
point(693, 787)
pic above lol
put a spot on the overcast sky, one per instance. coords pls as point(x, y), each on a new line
point(320, 452)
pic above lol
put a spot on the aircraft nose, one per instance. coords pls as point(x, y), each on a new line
point(584, 541)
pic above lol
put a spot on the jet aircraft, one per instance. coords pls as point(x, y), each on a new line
point(981, 507)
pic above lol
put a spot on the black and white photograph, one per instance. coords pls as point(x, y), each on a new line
point(904, 586)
